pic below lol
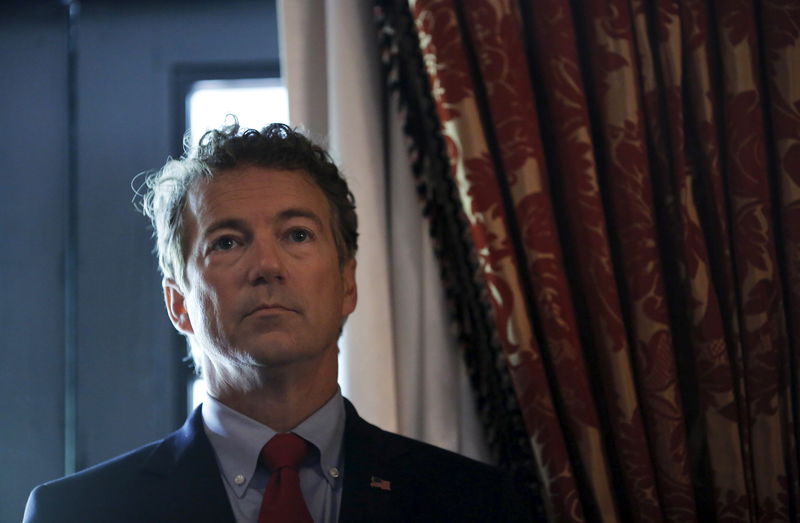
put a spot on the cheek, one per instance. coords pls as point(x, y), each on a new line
point(197, 311)
point(204, 306)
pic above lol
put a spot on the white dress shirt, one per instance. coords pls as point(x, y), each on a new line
point(237, 441)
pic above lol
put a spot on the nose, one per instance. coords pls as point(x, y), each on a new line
point(265, 262)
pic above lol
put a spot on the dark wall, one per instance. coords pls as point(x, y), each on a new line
point(128, 356)
point(32, 119)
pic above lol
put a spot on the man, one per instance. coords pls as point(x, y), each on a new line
point(256, 237)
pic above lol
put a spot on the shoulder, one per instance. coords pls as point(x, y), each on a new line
point(87, 490)
point(436, 460)
point(364, 438)
point(145, 484)
point(440, 472)
point(427, 482)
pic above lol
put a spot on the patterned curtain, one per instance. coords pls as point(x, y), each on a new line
point(613, 187)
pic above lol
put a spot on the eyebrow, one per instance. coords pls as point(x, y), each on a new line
point(227, 223)
point(298, 212)
point(283, 216)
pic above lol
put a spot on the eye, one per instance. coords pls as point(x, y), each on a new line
point(299, 235)
point(223, 243)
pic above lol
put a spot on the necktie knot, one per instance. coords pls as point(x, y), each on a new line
point(284, 450)
point(283, 500)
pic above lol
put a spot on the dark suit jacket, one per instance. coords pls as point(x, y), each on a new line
point(177, 479)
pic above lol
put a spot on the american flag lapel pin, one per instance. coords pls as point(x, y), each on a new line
point(376, 482)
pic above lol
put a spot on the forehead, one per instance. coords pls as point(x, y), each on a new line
point(254, 191)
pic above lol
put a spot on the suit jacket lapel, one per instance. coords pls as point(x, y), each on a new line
point(185, 462)
point(367, 458)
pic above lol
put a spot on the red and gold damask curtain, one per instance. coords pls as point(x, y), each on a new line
point(614, 190)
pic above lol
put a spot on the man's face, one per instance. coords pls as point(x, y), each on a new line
point(264, 282)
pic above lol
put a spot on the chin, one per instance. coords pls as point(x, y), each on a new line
point(270, 349)
point(277, 355)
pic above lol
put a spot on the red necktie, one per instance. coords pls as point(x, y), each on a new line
point(283, 501)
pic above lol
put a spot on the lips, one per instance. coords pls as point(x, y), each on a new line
point(269, 307)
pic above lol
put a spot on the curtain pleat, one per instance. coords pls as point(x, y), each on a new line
point(622, 153)
point(481, 194)
point(509, 101)
point(780, 26)
point(761, 314)
point(712, 398)
point(554, 53)
point(554, 50)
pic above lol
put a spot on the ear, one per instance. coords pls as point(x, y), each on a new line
point(350, 287)
point(176, 306)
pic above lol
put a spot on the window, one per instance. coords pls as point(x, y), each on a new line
point(255, 102)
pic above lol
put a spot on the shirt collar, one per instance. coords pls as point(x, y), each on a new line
point(237, 440)
point(325, 430)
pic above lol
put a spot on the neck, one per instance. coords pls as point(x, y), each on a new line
point(280, 398)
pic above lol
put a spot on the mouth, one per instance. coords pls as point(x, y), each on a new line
point(268, 309)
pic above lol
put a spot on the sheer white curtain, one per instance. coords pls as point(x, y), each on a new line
point(399, 364)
